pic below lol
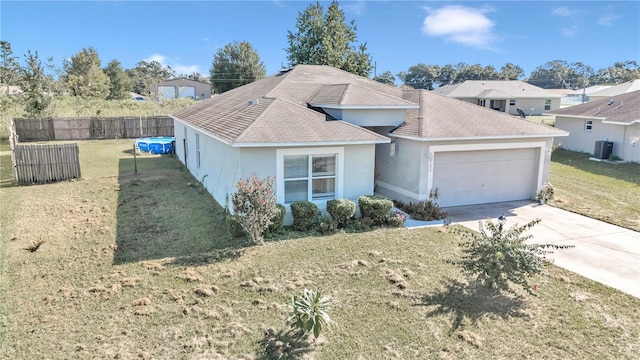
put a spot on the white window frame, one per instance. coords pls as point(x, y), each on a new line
point(588, 125)
point(319, 151)
point(547, 104)
point(512, 102)
point(198, 150)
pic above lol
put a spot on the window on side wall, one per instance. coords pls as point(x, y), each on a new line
point(547, 104)
point(512, 102)
point(588, 125)
point(309, 174)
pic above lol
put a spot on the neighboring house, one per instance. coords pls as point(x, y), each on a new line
point(626, 87)
point(324, 133)
point(615, 119)
point(580, 96)
point(503, 95)
point(184, 88)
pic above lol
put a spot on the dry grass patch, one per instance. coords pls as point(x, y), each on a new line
point(107, 284)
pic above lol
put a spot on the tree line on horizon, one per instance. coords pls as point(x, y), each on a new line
point(320, 38)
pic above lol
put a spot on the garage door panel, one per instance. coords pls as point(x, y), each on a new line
point(475, 177)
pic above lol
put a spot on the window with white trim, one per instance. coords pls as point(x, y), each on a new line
point(482, 102)
point(198, 150)
point(309, 177)
point(512, 102)
point(588, 125)
point(547, 104)
point(312, 174)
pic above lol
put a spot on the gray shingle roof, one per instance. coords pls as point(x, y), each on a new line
point(495, 89)
point(441, 117)
point(623, 109)
point(276, 110)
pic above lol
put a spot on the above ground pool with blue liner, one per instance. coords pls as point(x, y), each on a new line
point(156, 145)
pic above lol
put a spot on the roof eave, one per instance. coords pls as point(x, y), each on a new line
point(309, 143)
point(625, 123)
point(493, 137)
point(578, 116)
point(365, 107)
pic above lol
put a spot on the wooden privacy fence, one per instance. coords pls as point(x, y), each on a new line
point(37, 164)
point(87, 128)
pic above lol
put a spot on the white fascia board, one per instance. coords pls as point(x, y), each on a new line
point(577, 116)
point(621, 123)
point(309, 143)
point(366, 107)
point(415, 138)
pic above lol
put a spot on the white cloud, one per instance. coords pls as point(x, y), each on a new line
point(180, 69)
point(156, 57)
point(464, 25)
point(354, 7)
point(608, 19)
point(564, 11)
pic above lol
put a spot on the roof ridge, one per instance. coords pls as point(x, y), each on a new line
point(285, 76)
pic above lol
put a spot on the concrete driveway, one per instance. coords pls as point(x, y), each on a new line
point(603, 252)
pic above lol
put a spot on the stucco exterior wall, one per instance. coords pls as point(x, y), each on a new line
point(526, 104)
point(220, 165)
point(405, 177)
point(584, 141)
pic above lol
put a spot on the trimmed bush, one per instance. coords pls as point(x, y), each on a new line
point(277, 225)
point(375, 207)
point(254, 206)
point(305, 215)
point(341, 210)
point(424, 210)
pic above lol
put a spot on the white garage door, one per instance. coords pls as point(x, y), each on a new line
point(485, 176)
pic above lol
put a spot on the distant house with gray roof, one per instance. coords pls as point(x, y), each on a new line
point(614, 119)
point(503, 95)
point(324, 133)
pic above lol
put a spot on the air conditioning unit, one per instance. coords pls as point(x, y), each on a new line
point(603, 149)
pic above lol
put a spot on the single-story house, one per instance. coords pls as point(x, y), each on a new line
point(324, 133)
point(625, 87)
point(615, 119)
point(184, 88)
point(503, 95)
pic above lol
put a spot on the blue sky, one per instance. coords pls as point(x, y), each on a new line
point(186, 34)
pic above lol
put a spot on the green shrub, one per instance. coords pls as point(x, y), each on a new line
point(309, 312)
point(277, 225)
point(360, 224)
point(327, 225)
point(396, 219)
point(234, 227)
point(499, 258)
point(305, 215)
point(424, 210)
point(375, 207)
point(341, 210)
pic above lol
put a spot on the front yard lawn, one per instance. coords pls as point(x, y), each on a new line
point(600, 190)
point(141, 266)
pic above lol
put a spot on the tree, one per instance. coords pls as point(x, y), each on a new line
point(120, 84)
point(510, 71)
point(325, 39)
point(235, 65)
point(9, 67)
point(147, 75)
point(386, 78)
point(552, 75)
point(420, 76)
point(34, 82)
point(618, 73)
point(84, 77)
